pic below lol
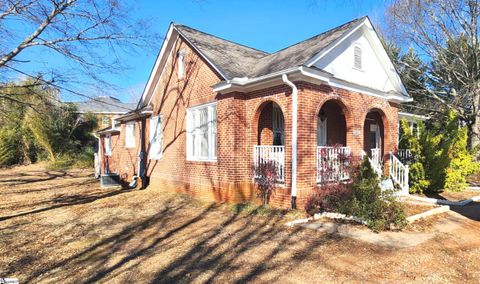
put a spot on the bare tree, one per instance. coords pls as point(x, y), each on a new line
point(88, 35)
point(445, 34)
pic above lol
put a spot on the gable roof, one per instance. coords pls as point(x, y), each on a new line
point(242, 67)
point(236, 60)
point(233, 59)
point(104, 104)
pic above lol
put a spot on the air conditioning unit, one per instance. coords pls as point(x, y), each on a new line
point(109, 180)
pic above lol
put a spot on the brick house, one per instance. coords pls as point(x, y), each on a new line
point(212, 109)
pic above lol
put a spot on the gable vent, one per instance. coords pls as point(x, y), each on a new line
point(357, 57)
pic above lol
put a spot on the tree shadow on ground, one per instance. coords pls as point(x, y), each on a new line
point(46, 176)
point(471, 210)
point(64, 201)
point(215, 249)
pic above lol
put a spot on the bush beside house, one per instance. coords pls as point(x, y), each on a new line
point(440, 157)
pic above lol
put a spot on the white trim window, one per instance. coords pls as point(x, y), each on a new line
point(322, 131)
point(202, 133)
point(107, 145)
point(156, 138)
point(357, 57)
point(181, 64)
point(130, 135)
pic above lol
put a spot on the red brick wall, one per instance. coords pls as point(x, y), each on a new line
point(229, 178)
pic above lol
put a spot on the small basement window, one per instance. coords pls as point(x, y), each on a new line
point(357, 57)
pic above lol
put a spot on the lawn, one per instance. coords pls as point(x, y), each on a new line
point(61, 227)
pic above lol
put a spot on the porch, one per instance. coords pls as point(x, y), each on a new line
point(333, 156)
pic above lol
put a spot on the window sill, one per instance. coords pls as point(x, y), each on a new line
point(358, 69)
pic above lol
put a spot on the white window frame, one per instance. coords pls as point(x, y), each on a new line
point(107, 141)
point(322, 132)
point(181, 64)
point(194, 132)
point(130, 135)
point(358, 51)
point(155, 151)
point(278, 124)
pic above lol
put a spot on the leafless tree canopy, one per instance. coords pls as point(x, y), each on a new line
point(445, 34)
point(88, 35)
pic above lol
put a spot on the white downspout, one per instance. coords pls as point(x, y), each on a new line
point(294, 138)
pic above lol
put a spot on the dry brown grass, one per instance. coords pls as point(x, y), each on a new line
point(60, 227)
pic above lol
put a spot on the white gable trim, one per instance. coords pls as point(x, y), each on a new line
point(378, 48)
point(160, 61)
point(333, 45)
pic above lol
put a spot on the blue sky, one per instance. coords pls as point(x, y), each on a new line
point(266, 25)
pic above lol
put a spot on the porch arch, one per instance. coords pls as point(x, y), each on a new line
point(332, 121)
point(269, 124)
point(375, 131)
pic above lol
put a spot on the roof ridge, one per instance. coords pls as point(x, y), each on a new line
point(318, 35)
point(236, 43)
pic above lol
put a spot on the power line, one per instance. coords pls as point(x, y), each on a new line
point(67, 89)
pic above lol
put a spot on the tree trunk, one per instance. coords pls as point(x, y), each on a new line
point(475, 138)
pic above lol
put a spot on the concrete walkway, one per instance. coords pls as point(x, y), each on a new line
point(452, 221)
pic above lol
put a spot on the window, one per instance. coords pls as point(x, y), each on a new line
point(322, 130)
point(278, 123)
point(357, 57)
point(156, 138)
point(202, 133)
point(108, 145)
point(181, 64)
point(130, 135)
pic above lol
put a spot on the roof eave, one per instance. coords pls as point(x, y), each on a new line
point(303, 73)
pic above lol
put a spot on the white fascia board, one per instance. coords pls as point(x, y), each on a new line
point(384, 58)
point(305, 73)
point(378, 47)
point(338, 83)
point(245, 84)
point(413, 116)
point(156, 66)
point(333, 45)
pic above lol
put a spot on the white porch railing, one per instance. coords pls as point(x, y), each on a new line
point(399, 173)
point(332, 163)
point(375, 161)
point(404, 154)
point(264, 154)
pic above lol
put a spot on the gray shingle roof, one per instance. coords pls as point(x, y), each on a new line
point(104, 104)
point(235, 60)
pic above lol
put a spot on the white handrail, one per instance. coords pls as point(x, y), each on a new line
point(375, 163)
point(265, 154)
point(332, 163)
point(399, 173)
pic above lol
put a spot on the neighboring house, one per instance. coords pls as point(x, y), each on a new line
point(104, 108)
point(213, 109)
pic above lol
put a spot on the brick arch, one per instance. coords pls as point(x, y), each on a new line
point(347, 115)
point(263, 133)
point(386, 135)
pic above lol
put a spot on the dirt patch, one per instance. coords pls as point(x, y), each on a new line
point(62, 227)
point(414, 209)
